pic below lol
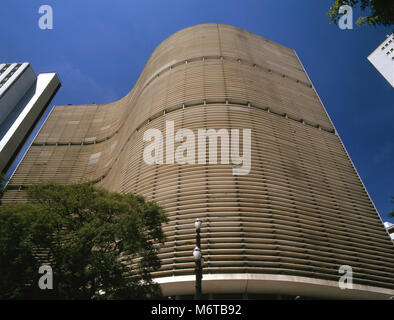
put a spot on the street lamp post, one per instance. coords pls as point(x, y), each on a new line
point(197, 259)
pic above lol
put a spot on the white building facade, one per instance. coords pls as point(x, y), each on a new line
point(24, 96)
point(383, 59)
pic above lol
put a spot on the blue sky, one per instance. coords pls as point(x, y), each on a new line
point(99, 49)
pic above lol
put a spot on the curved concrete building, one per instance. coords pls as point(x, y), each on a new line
point(284, 227)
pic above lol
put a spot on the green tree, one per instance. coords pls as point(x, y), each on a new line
point(89, 237)
point(3, 181)
point(18, 263)
point(380, 12)
point(391, 214)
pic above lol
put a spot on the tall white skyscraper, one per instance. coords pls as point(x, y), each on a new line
point(23, 99)
point(390, 229)
point(383, 59)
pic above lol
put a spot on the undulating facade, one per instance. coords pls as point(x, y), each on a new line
point(285, 227)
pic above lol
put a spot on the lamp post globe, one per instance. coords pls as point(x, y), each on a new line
point(197, 253)
point(198, 259)
point(197, 224)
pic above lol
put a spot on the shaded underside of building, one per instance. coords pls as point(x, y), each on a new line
point(286, 227)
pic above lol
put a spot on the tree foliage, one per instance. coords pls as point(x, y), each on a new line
point(3, 181)
point(380, 12)
point(89, 236)
point(391, 214)
point(18, 263)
